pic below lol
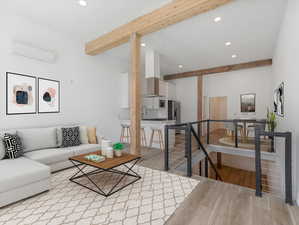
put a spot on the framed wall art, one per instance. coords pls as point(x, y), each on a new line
point(48, 96)
point(247, 103)
point(20, 94)
point(279, 100)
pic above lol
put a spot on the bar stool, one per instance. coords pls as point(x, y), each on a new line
point(143, 137)
point(160, 141)
point(125, 135)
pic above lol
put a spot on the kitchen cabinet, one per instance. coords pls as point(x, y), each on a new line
point(124, 91)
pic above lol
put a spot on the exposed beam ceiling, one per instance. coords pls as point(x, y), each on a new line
point(221, 69)
point(169, 14)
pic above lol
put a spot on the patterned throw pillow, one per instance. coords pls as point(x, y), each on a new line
point(70, 137)
point(13, 146)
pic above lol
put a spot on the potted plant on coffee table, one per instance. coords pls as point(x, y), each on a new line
point(118, 148)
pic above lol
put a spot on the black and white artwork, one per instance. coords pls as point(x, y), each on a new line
point(20, 94)
point(48, 96)
point(248, 103)
point(279, 100)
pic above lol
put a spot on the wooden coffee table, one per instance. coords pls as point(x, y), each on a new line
point(109, 165)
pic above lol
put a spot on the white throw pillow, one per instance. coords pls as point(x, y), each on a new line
point(59, 136)
point(83, 135)
point(37, 138)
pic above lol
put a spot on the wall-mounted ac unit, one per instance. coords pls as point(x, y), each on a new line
point(33, 52)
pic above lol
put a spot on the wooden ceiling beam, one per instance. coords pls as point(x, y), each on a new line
point(221, 69)
point(169, 14)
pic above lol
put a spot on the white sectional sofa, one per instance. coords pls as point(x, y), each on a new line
point(30, 174)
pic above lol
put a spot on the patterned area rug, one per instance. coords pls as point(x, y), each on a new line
point(149, 201)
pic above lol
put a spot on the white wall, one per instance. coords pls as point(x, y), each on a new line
point(233, 84)
point(88, 84)
point(285, 69)
point(186, 94)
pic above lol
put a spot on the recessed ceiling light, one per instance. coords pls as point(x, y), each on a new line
point(217, 19)
point(143, 44)
point(228, 43)
point(234, 56)
point(82, 2)
point(181, 66)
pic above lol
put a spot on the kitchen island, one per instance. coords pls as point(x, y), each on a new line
point(157, 124)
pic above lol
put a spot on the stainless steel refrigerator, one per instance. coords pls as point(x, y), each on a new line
point(174, 111)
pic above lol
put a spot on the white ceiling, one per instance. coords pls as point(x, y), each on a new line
point(251, 25)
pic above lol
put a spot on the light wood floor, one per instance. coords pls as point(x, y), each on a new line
point(236, 176)
point(217, 203)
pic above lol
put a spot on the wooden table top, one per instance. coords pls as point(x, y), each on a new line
point(108, 163)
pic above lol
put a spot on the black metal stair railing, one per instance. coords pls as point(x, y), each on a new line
point(189, 132)
point(288, 161)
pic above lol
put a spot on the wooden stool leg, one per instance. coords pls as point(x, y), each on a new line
point(129, 136)
point(161, 140)
point(152, 138)
point(143, 138)
point(126, 135)
point(145, 142)
point(121, 136)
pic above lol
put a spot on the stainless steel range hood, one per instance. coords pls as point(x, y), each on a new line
point(152, 72)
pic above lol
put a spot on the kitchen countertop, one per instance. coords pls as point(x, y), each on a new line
point(164, 122)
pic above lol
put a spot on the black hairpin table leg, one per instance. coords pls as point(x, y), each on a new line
point(81, 173)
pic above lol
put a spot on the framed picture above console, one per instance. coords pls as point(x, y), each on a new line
point(247, 103)
point(20, 94)
point(48, 96)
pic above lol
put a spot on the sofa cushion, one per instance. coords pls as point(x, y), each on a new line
point(50, 156)
point(83, 135)
point(70, 137)
point(38, 138)
point(92, 135)
point(13, 146)
point(20, 172)
point(83, 149)
point(55, 155)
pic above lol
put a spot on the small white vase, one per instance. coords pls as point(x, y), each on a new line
point(118, 153)
point(109, 152)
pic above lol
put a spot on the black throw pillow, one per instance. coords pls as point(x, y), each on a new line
point(70, 137)
point(13, 146)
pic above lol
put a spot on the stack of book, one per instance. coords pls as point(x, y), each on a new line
point(95, 158)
